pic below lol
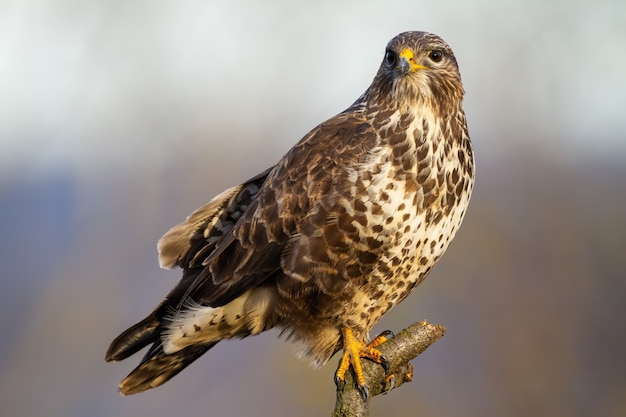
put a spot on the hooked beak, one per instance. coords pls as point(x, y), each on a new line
point(408, 63)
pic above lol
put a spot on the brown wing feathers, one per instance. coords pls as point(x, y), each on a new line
point(184, 245)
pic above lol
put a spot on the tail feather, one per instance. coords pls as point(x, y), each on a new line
point(133, 339)
point(157, 367)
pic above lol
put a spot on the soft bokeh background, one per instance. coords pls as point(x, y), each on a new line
point(118, 118)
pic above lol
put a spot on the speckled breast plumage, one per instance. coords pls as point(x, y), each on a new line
point(404, 207)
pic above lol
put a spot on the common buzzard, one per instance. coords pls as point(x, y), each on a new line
point(325, 242)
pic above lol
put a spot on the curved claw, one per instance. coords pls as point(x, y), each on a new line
point(339, 383)
point(388, 334)
point(385, 363)
point(381, 338)
point(363, 391)
point(390, 383)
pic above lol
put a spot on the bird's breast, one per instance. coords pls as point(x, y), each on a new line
point(412, 193)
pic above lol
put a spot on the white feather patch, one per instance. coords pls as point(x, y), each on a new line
point(250, 313)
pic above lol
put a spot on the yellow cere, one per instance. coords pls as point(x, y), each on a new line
point(409, 55)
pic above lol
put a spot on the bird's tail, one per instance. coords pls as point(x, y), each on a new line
point(156, 367)
point(180, 336)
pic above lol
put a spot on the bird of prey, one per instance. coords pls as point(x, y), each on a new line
point(325, 242)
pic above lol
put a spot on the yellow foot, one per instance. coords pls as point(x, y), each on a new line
point(353, 351)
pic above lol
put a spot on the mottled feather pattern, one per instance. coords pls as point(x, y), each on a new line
point(191, 242)
point(339, 231)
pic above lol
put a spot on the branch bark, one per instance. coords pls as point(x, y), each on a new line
point(399, 351)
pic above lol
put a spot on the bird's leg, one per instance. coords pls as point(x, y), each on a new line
point(353, 351)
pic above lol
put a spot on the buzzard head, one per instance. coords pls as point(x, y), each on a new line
point(418, 69)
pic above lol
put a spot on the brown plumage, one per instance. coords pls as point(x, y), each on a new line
point(321, 245)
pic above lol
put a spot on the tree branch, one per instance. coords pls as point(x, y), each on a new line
point(399, 351)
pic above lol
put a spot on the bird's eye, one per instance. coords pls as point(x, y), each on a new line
point(391, 59)
point(435, 56)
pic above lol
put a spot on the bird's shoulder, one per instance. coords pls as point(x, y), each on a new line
point(238, 237)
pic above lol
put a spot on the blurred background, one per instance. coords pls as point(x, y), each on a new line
point(118, 118)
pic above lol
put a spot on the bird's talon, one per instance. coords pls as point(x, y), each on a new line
point(353, 351)
point(381, 338)
point(388, 334)
point(385, 363)
point(339, 383)
point(363, 391)
point(389, 384)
